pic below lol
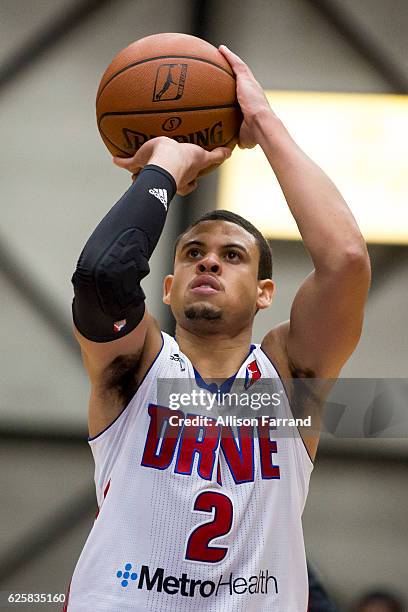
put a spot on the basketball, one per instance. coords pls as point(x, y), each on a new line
point(169, 84)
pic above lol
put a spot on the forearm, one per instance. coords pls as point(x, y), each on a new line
point(328, 228)
point(115, 258)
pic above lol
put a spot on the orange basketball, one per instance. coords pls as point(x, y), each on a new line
point(172, 85)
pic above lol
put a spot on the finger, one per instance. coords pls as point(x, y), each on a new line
point(236, 62)
point(246, 145)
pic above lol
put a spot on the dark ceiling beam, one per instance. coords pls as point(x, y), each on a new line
point(47, 37)
point(363, 42)
point(201, 18)
point(40, 301)
point(204, 16)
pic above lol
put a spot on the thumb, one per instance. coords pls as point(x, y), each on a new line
point(187, 189)
point(122, 162)
point(219, 155)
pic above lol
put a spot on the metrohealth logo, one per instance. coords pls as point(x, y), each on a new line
point(263, 582)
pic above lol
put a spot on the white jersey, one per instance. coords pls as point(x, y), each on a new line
point(195, 517)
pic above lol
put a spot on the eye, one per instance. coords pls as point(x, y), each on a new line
point(194, 253)
point(233, 255)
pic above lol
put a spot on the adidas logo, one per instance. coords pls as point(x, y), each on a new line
point(160, 194)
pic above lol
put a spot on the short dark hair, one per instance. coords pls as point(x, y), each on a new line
point(265, 253)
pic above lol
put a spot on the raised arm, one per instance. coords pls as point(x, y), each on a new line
point(110, 319)
point(327, 312)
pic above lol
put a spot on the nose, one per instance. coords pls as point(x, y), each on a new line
point(209, 263)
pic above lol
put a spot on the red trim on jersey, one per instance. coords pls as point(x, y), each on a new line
point(65, 608)
point(106, 489)
point(219, 480)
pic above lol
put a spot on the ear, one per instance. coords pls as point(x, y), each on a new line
point(167, 284)
point(266, 290)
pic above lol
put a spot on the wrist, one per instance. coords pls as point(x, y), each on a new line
point(267, 126)
point(169, 160)
point(159, 170)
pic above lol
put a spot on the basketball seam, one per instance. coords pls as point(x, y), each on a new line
point(166, 111)
point(151, 59)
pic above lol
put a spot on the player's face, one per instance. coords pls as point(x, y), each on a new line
point(215, 280)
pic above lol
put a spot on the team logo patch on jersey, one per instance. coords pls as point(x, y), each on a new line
point(252, 374)
point(118, 325)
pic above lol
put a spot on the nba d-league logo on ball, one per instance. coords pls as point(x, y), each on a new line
point(169, 84)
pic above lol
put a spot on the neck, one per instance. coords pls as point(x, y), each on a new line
point(216, 356)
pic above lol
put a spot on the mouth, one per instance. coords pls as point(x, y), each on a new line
point(205, 284)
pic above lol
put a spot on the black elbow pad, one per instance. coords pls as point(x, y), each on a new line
point(119, 272)
point(109, 301)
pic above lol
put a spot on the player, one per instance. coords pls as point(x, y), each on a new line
point(207, 517)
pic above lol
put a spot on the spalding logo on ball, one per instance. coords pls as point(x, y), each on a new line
point(172, 85)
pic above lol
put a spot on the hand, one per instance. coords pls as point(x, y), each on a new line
point(250, 96)
point(184, 161)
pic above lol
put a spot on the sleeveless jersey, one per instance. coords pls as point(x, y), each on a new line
point(195, 518)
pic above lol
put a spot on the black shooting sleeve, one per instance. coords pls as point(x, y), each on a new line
point(109, 302)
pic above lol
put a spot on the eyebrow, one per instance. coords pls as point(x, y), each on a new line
point(230, 245)
point(191, 242)
point(235, 245)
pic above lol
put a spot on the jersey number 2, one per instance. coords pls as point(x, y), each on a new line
point(198, 544)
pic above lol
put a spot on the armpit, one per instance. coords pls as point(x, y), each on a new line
point(121, 376)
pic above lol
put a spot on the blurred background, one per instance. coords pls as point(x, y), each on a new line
point(58, 181)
